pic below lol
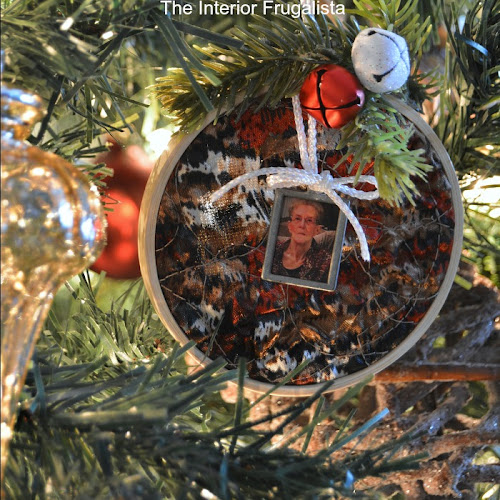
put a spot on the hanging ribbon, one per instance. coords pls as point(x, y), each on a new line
point(324, 182)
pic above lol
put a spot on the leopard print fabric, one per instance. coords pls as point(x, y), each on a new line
point(209, 259)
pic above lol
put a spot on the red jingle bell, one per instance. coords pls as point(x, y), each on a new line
point(332, 95)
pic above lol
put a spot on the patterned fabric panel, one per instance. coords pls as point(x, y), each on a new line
point(209, 259)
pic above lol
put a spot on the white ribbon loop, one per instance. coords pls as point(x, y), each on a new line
point(285, 177)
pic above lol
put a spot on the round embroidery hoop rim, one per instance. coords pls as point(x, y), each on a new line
point(147, 230)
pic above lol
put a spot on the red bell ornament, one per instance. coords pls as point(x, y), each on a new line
point(332, 95)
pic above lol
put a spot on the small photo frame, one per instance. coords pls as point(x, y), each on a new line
point(305, 240)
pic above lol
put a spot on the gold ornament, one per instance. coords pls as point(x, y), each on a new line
point(53, 227)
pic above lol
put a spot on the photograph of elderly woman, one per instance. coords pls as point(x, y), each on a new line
point(305, 238)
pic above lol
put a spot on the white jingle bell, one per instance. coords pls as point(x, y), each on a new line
point(380, 59)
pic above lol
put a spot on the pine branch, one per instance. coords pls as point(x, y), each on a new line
point(107, 413)
point(439, 371)
point(377, 136)
point(90, 60)
point(276, 56)
point(472, 105)
point(469, 123)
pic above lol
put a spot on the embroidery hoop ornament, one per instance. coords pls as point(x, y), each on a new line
point(147, 232)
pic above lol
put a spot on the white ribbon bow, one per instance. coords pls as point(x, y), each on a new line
point(283, 177)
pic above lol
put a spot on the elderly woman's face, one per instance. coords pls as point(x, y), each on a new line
point(303, 225)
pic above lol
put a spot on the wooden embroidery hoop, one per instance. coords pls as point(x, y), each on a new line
point(147, 229)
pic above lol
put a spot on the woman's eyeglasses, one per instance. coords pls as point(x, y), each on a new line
point(309, 221)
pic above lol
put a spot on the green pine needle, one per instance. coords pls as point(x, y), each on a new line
point(277, 54)
point(376, 135)
point(110, 411)
point(469, 125)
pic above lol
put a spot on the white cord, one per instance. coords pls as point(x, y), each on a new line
point(283, 177)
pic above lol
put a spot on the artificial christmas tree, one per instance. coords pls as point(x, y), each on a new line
point(109, 410)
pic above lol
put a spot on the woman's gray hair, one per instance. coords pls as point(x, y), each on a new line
point(301, 201)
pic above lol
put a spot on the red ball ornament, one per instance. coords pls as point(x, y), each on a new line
point(332, 95)
point(131, 168)
point(120, 257)
point(124, 191)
